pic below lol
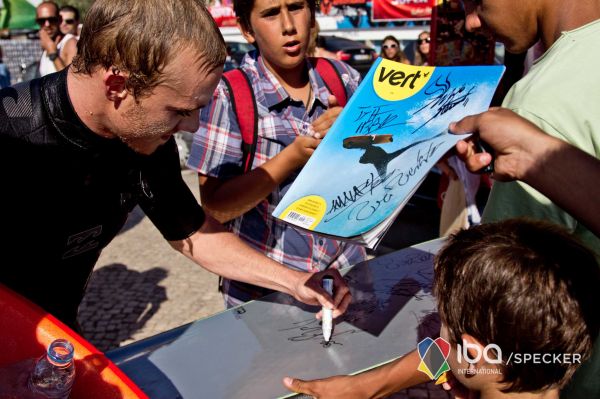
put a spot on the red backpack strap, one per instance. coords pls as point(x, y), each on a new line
point(244, 107)
point(332, 78)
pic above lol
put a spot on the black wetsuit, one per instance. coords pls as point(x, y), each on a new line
point(66, 193)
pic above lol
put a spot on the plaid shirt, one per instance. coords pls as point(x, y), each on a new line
point(216, 152)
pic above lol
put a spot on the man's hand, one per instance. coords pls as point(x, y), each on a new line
point(322, 124)
point(337, 387)
point(46, 42)
point(511, 136)
point(309, 290)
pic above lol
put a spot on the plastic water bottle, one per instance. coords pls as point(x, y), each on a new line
point(54, 373)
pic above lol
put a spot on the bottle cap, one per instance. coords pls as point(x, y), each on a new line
point(61, 351)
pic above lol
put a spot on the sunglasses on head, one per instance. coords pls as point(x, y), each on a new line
point(51, 20)
point(69, 21)
point(421, 41)
point(386, 46)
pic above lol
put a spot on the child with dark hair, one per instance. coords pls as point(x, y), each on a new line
point(294, 109)
point(526, 287)
point(519, 297)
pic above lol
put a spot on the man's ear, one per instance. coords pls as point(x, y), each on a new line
point(248, 34)
point(115, 85)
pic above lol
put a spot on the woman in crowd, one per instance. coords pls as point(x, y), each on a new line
point(422, 49)
point(390, 49)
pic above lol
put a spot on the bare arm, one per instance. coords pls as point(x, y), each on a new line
point(562, 172)
point(377, 383)
point(223, 253)
point(228, 199)
point(67, 53)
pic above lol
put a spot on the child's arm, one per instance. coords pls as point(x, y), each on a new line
point(226, 199)
point(376, 383)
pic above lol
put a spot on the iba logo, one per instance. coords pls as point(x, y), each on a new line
point(394, 81)
point(433, 356)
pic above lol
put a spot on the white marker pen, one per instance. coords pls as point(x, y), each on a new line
point(327, 321)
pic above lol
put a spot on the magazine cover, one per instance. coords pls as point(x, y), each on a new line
point(390, 134)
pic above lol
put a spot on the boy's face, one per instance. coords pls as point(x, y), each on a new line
point(281, 30)
point(514, 23)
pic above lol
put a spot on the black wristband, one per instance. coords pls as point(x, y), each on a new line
point(52, 56)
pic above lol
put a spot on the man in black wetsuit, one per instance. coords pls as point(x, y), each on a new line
point(81, 147)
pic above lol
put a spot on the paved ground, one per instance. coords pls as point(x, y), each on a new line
point(141, 287)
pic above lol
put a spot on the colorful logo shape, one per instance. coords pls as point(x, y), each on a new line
point(394, 81)
point(434, 355)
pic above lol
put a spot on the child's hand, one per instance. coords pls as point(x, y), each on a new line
point(322, 124)
point(301, 149)
point(337, 387)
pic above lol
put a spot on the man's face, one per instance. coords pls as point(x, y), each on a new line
point(514, 23)
point(68, 23)
point(172, 106)
point(48, 19)
point(281, 30)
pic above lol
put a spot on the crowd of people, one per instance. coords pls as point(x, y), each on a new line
point(391, 49)
point(97, 128)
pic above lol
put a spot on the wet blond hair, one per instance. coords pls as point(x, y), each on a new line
point(140, 37)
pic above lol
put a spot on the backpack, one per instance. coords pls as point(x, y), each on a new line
point(245, 109)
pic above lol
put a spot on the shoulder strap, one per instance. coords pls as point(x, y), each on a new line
point(244, 107)
point(332, 78)
point(244, 104)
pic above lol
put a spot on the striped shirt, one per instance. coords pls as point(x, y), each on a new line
point(217, 152)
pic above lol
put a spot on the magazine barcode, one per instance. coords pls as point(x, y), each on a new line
point(299, 219)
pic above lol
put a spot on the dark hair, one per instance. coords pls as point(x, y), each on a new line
point(72, 9)
point(392, 38)
point(140, 37)
point(243, 9)
point(528, 287)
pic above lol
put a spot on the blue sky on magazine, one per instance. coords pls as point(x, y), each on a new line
point(364, 180)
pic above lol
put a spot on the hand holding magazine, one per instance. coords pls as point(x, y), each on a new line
point(379, 150)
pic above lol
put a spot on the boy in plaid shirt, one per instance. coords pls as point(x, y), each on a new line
point(294, 110)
